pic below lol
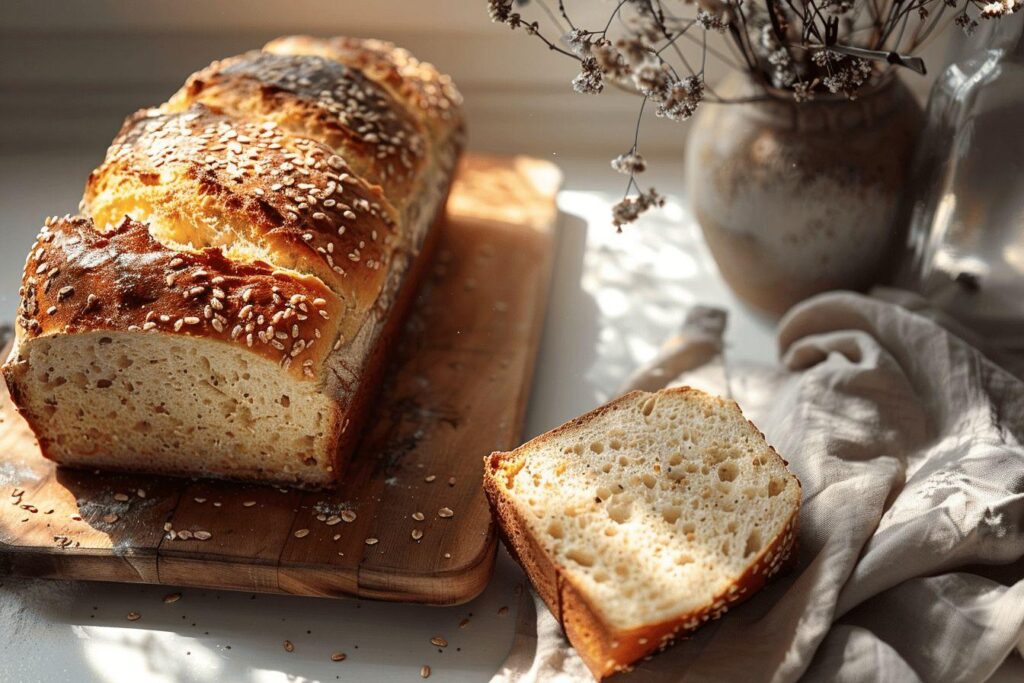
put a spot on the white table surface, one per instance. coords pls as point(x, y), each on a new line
point(614, 298)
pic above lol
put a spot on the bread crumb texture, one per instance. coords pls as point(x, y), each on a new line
point(657, 510)
point(101, 398)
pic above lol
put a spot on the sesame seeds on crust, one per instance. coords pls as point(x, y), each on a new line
point(321, 99)
point(420, 84)
point(124, 280)
point(203, 178)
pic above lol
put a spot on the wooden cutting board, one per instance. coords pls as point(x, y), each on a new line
point(455, 391)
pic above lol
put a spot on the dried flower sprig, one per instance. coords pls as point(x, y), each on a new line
point(807, 48)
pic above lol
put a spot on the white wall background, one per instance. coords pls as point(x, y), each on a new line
point(70, 70)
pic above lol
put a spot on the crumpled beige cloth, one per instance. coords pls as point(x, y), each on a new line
point(907, 441)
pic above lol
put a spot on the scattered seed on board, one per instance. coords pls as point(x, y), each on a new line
point(429, 478)
point(464, 623)
point(202, 535)
point(134, 616)
point(451, 481)
point(338, 657)
point(371, 541)
point(439, 641)
point(141, 493)
point(336, 536)
point(348, 516)
point(302, 533)
point(110, 519)
point(121, 497)
point(418, 516)
point(417, 534)
point(425, 671)
point(332, 520)
point(184, 534)
point(445, 512)
point(200, 500)
point(502, 611)
point(172, 598)
point(288, 647)
point(248, 503)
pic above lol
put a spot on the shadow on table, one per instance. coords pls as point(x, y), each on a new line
point(569, 344)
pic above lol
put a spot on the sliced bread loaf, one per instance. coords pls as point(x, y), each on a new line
point(644, 518)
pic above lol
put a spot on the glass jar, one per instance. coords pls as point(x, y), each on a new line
point(966, 234)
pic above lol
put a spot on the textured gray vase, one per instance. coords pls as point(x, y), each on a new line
point(796, 199)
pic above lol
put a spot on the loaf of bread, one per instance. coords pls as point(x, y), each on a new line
point(224, 305)
point(645, 518)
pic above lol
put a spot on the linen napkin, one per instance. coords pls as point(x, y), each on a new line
point(907, 441)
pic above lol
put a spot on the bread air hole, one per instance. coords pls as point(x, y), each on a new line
point(775, 486)
point(582, 557)
point(555, 529)
point(753, 543)
point(620, 513)
point(672, 513)
point(728, 471)
point(648, 406)
point(597, 447)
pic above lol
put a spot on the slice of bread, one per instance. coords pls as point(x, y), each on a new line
point(641, 520)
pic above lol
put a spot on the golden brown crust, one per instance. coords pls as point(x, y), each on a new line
point(321, 99)
point(203, 178)
point(419, 84)
point(605, 649)
point(267, 167)
point(79, 280)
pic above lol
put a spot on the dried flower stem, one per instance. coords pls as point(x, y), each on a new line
point(807, 47)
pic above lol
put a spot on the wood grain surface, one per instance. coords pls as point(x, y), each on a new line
point(455, 390)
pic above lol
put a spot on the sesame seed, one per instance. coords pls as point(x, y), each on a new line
point(417, 534)
point(171, 598)
point(134, 616)
point(122, 497)
point(439, 641)
point(191, 320)
point(425, 671)
point(502, 611)
point(249, 503)
point(372, 541)
point(338, 657)
point(418, 516)
point(348, 516)
point(288, 647)
point(429, 478)
point(445, 512)
point(110, 518)
point(302, 533)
